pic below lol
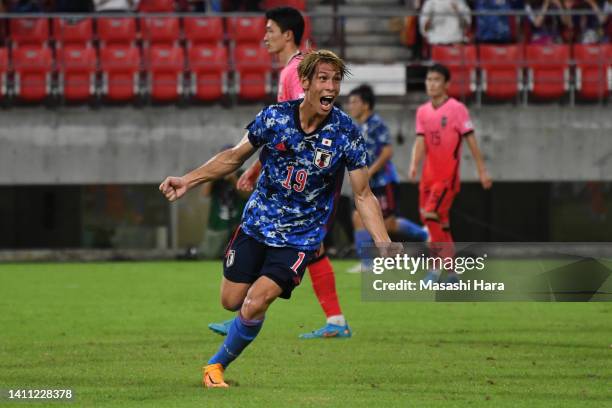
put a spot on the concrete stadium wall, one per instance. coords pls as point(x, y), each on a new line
point(79, 145)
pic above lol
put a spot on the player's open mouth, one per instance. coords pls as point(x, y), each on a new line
point(327, 101)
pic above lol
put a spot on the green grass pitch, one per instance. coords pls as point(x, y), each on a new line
point(134, 334)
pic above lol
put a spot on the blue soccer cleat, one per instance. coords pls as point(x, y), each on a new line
point(221, 328)
point(329, 331)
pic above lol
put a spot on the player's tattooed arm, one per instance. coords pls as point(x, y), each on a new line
point(220, 165)
point(483, 174)
point(367, 205)
point(385, 155)
point(418, 151)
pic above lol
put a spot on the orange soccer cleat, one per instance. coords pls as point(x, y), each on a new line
point(213, 376)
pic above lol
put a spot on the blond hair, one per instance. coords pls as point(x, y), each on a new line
point(308, 65)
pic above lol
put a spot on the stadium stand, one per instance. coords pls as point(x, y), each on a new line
point(72, 31)
point(116, 30)
point(208, 67)
point(4, 69)
point(462, 62)
point(120, 66)
point(156, 6)
point(297, 4)
point(160, 30)
point(501, 71)
point(77, 65)
point(246, 30)
point(33, 73)
point(593, 70)
point(548, 70)
point(165, 72)
point(203, 30)
point(29, 31)
point(253, 73)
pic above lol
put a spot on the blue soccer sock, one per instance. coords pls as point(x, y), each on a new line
point(411, 229)
point(362, 237)
point(241, 333)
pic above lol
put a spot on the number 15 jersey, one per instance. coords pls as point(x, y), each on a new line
point(443, 129)
point(293, 202)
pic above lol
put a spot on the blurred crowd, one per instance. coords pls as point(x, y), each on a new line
point(85, 6)
point(544, 22)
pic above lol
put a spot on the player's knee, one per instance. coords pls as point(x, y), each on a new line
point(255, 306)
point(230, 303)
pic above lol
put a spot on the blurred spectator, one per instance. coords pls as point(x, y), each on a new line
point(71, 6)
point(25, 6)
point(198, 6)
point(588, 28)
point(495, 28)
point(608, 24)
point(241, 5)
point(444, 21)
point(544, 27)
point(116, 5)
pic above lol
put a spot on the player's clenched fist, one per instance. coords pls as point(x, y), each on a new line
point(173, 188)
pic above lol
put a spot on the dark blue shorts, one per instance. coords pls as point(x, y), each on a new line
point(388, 199)
point(246, 259)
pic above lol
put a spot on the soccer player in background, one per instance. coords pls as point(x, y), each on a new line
point(383, 176)
point(306, 145)
point(284, 31)
point(442, 124)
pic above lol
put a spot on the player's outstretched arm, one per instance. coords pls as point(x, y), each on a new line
point(418, 151)
point(220, 165)
point(483, 174)
point(367, 205)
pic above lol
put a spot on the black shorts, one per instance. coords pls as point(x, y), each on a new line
point(246, 259)
point(388, 199)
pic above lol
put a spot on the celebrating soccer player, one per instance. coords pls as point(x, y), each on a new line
point(383, 177)
point(306, 144)
point(284, 31)
point(441, 126)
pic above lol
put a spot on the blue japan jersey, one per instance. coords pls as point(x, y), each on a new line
point(377, 136)
point(293, 202)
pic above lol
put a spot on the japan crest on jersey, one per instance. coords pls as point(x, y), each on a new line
point(322, 158)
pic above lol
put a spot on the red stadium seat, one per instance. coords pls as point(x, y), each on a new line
point(29, 31)
point(116, 30)
point(461, 61)
point(548, 70)
point(77, 66)
point(4, 67)
point(592, 69)
point(33, 67)
point(203, 30)
point(253, 67)
point(608, 57)
point(156, 6)
point(297, 4)
point(208, 66)
point(73, 30)
point(120, 66)
point(160, 30)
point(166, 68)
point(501, 71)
point(246, 29)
